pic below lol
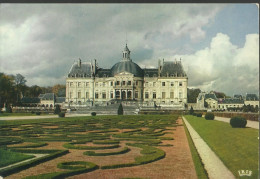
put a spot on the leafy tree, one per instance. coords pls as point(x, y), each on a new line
point(120, 110)
point(20, 86)
point(59, 90)
point(192, 95)
point(34, 91)
point(7, 91)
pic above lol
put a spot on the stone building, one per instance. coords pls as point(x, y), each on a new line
point(165, 86)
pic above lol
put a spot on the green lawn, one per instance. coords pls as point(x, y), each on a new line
point(19, 114)
point(236, 147)
point(9, 157)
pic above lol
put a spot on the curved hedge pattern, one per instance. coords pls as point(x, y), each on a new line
point(92, 153)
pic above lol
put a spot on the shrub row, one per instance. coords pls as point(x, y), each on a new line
point(209, 116)
point(72, 146)
point(92, 153)
point(106, 142)
point(151, 154)
point(34, 145)
point(17, 168)
point(75, 170)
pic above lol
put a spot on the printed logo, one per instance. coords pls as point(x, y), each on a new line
point(245, 173)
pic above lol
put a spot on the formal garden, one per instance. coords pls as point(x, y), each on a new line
point(64, 147)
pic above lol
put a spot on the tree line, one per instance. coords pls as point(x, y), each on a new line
point(13, 88)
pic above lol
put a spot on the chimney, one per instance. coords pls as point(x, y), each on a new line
point(79, 62)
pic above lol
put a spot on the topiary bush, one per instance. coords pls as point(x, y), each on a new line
point(93, 114)
point(209, 116)
point(57, 109)
point(199, 114)
point(238, 122)
point(38, 113)
point(191, 110)
point(62, 114)
point(120, 110)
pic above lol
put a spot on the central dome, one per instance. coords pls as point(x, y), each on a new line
point(127, 66)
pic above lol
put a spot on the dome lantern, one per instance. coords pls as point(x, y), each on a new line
point(126, 54)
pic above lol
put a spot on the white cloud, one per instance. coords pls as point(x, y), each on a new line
point(224, 66)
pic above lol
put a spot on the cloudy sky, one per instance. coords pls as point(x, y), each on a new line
point(218, 43)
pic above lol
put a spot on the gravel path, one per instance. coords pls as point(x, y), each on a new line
point(214, 166)
point(252, 124)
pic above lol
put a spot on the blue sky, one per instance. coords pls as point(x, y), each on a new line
point(218, 43)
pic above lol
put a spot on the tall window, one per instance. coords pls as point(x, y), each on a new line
point(111, 83)
point(79, 94)
point(96, 95)
point(136, 94)
point(129, 83)
point(87, 95)
point(163, 95)
point(172, 83)
point(111, 94)
point(171, 95)
point(123, 83)
point(180, 83)
point(154, 83)
point(146, 84)
point(154, 95)
point(104, 95)
point(70, 94)
point(180, 94)
point(79, 83)
point(71, 83)
point(163, 83)
point(117, 82)
point(104, 84)
point(87, 84)
point(136, 83)
point(146, 95)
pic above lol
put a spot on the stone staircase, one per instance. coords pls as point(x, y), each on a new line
point(108, 110)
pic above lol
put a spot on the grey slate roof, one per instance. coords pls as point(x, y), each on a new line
point(151, 72)
point(251, 97)
point(30, 100)
point(48, 96)
point(127, 66)
point(84, 70)
point(232, 101)
point(211, 95)
point(172, 69)
point(238, 96)
point(103, 73)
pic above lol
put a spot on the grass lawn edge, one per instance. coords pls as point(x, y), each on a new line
point(198, 164)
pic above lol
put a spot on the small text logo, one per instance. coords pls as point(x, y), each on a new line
point(244, 172)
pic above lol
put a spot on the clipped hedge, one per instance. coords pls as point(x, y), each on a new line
point(150, 154)
point(76, 167)
point(92, 153)
point(93, 114)
point(199, 114)
point(73, 146)
point(209, 116)
point(17, 168)
point(238, 122)
point(34, 145)
point(61, 114)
